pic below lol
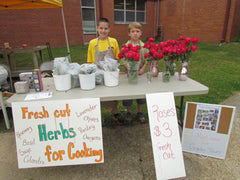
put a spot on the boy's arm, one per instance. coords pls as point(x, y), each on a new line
point(116, 49)
point(142, 69)
point(90, 57)
point(125, 66)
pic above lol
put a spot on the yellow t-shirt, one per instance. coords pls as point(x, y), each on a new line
point(103, 45)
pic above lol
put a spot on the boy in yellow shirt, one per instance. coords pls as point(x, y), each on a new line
point(100, 47)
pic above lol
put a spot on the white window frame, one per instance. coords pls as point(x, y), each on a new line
point(135, 12)
point(90, 7)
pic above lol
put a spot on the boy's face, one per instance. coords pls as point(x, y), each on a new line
point(103, 30)
point(135, 34)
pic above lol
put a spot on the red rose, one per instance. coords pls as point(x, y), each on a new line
point(125, 50)
point(188, 40)
point(180, 38)
point(128, 55)
point(123, 46)
point(156, 54)
point(136, 57)
point(193, 47)
point(147, 46)
point(135, 49)
point(152, 51)
point(138, 47)
point(162, 44)
point(121, 54)
point(195, 40)
point(130, 45)
point(151, 39)
point(146, 55)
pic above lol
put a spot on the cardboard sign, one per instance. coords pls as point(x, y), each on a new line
point(54, 133)
point(207, 129)
point(166, 144)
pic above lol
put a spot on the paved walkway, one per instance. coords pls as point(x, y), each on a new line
point(128, 155)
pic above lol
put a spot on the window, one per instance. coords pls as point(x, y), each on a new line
point(88, 16)
point(126, 11)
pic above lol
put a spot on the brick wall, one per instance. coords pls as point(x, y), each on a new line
point(38, 26)
point(203, 19)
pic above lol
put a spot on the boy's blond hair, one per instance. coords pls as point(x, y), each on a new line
point(134, 25)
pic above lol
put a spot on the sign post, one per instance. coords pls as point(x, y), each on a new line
point(166, 144)
point(55, 133)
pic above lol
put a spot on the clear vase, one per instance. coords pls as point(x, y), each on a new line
point(133, 67)
point(166, 72)
point(149, 73)
point(172, 67)
point(154, 68)
point(183, 73)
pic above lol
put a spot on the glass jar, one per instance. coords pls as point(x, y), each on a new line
point(166, 72)
point(183, 73)
point(149, 73)
point(133, 67)
point(154, 68)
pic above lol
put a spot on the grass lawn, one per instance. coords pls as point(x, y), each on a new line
point(216, 66)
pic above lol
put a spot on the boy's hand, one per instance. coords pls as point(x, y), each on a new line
point(141, 71)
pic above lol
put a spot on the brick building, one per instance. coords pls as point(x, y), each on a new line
point(212, 21)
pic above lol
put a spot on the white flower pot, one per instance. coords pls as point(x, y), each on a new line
point(87, 81)
point(111, 78)
point(62, 82)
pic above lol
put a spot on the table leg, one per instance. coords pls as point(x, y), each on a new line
point(41, 56)
point(181, 111)
point(4, 112)
point(35, 61)
point(11, 69)
point(10, 63)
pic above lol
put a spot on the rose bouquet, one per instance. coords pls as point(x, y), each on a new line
point(132, 56)
point(129, 53)
point(153, 53)
point(186, 47)
point(180, 49)
point(169, 51)
point(152, 56)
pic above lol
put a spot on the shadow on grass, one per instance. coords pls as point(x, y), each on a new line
point(107, 116)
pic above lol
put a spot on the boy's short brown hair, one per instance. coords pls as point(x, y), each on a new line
point(134, 25)
point(103, 20)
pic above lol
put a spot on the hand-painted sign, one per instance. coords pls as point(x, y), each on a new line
point(207, 129)
point(54, 133)
point(166, 144)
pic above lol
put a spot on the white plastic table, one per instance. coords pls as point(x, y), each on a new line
point(124, 90)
